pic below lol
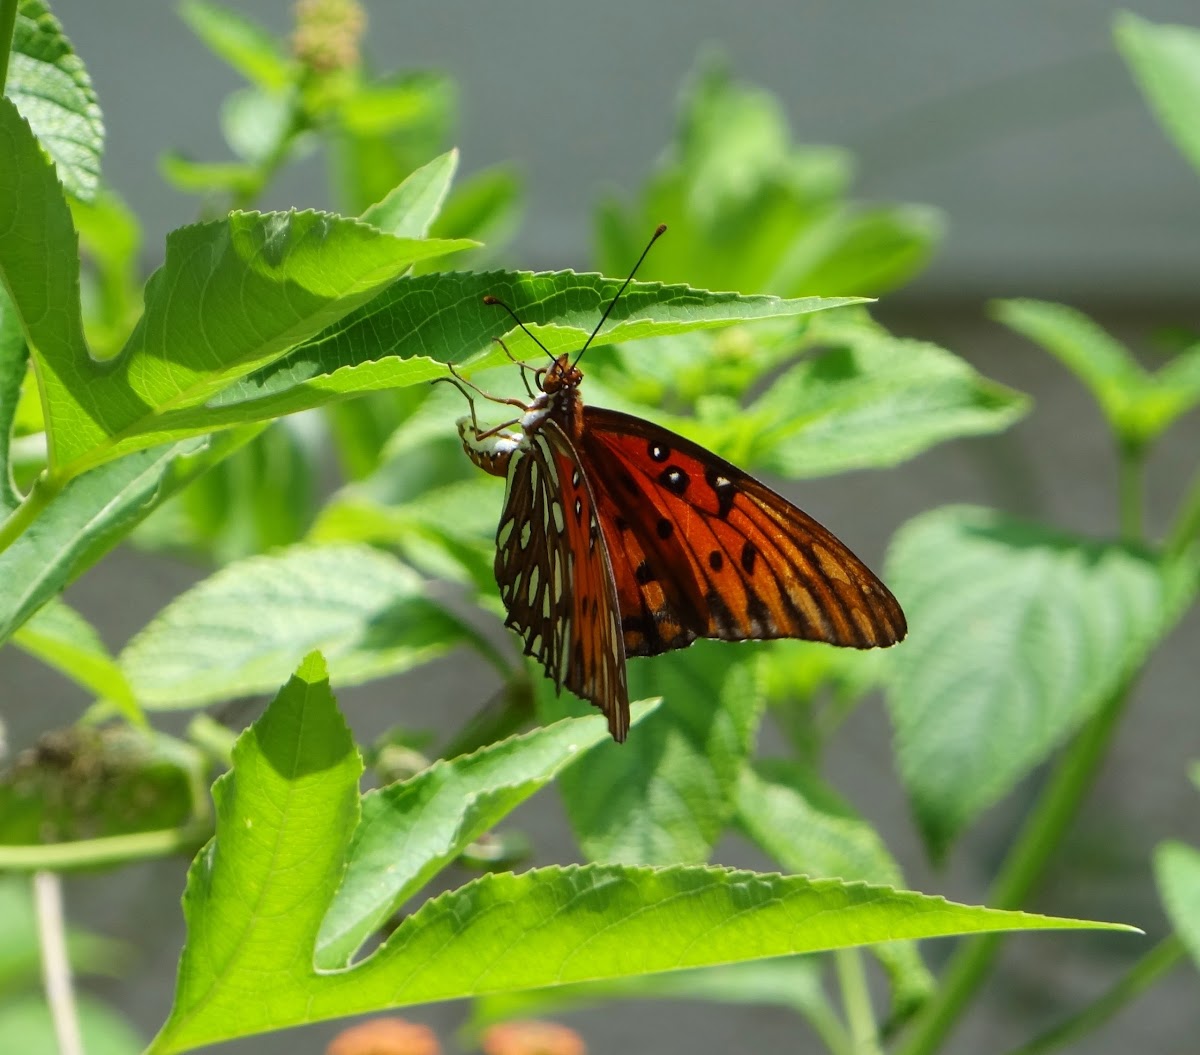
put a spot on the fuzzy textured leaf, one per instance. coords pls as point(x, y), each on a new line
point(1016, 635)
point(242, 629)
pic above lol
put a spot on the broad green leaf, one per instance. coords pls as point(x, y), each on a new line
point(485, 206)
point(1165, 61)
point(64, 640)
point(243, 44)
point(88, 782)
point(20, 950)
point(1016, 635)
point(232, 296)
point(433, 817)
point(410, 209)
point(876, 250)
point(805, 826)
point(666, 795)
point(50, 86)
point(239, 631)
point(91, 515)
point(286, 812)
point(27, 1026)
point(258, 125)
point(401, 101)
point(792, 982)
point(1177, 871)
point(859, 398)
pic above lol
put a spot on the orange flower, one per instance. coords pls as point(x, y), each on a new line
point(532, 1038)
point(385, 1036)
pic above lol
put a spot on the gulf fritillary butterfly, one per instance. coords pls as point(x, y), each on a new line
point(619, 538)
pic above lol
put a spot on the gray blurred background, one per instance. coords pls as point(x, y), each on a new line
point(1020, 122)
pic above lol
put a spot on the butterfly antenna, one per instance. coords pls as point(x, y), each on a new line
point(489, 299)
point(658, 233)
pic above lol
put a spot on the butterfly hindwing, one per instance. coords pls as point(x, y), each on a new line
point(718, 554)
point(555, 578)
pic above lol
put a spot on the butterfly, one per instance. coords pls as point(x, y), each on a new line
point(619, 539)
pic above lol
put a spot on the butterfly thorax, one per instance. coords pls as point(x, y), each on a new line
point(492, 449)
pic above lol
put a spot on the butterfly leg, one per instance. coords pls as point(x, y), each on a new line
point(523, 366)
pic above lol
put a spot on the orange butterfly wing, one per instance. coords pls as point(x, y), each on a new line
point(699, 548)
point(554, 575)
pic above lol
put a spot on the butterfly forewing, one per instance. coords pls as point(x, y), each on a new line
point(719, 554)
point(555, 578)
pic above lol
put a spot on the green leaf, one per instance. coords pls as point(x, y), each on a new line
point(206, 177)
point(666, 795)
point(860, 398)
point(243, 44)
point(805, 826)
point(402, 336)
point(110, 239)
point(49, 85)
point(1139, 405)
point(39, 254)
point(239, 631)
point(434, 816)
point(1177, 871)
point(485, 206)
point(232, 296)
point(27, 1026)
point(410, 209)
point(64, 640)
point(91, 515)
point(1017, 634)
point(1165, 61)
point(286, 811)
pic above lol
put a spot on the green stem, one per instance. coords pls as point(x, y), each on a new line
point(20, 518)
point(1157, 962)
point(8, 22)
point(1132, 461)
point(856, 1000)
point(1186, 528)
point(1023, 867)
point(105, 852)
point(56, 964)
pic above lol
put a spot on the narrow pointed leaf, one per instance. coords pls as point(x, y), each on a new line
point(1177, 870)
point(410, 209)
point(245, 45)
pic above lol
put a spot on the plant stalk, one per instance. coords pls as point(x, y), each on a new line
point(1131, 485)
point(105, 852)
point(856, 1000)
point(8, 22)
point(56, 966)
point(1156, 963)
point(28, 511)
point(1023, 867)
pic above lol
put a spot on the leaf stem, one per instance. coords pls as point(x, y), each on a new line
point(8, 22)
point(40, 495)
point(1023, 867)
point(1186, 528)
point(105, 852)
point(56, 966)
point(856, 999)
point(1156, 963)
point(1130, 485)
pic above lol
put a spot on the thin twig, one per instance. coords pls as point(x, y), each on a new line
point(56, 966)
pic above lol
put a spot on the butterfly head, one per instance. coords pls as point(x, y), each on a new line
point(562, 376)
